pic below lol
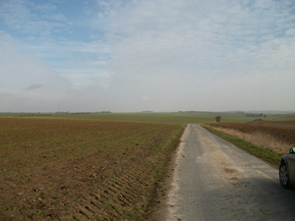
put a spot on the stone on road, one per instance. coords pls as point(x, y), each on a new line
point(215, 180)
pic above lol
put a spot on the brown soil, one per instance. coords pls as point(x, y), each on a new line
point(278, 124)
point(81, 170)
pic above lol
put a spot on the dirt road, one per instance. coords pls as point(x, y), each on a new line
point(214, 180)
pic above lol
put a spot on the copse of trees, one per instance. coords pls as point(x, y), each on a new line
point(218, 118)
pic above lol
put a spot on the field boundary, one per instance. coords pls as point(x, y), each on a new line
point(264, 154)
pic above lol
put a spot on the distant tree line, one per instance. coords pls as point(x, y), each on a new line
point(255, 115)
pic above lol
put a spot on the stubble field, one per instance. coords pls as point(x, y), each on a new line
point(277, 136)
point(81, 169)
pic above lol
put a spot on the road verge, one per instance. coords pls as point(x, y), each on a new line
point(264, 154)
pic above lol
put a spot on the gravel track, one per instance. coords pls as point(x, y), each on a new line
point(215, 180)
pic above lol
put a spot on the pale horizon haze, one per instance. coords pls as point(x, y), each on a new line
point(139, 55)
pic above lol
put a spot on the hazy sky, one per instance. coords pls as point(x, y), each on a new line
point(136, 55)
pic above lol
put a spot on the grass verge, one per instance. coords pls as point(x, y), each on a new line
point(265, 154)
point(161, 171)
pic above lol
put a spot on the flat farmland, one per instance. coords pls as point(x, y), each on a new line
point(171, 118)
point(81, 169)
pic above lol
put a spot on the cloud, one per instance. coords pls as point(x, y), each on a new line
point(145, 99)
point(25, 18)
point(188, 50)
point(44, 8)
point(148, 55)
point(85, 78)
point(34, 87)
point(41, 30)
point(153, 36)
point(58, 17)
point(290, 32)
point(18, 70)
point(82, 90)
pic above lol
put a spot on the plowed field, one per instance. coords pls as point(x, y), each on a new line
point(280, 124)
point(81, 170)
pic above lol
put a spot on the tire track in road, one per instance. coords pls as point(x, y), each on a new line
point(215, 180)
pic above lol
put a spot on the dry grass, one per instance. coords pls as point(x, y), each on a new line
point(261, 139)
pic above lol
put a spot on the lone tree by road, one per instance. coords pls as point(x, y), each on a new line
point(217, 118)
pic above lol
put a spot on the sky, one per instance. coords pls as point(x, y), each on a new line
point(147, 55)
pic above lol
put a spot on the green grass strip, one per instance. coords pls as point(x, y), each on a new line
point(265, 154)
